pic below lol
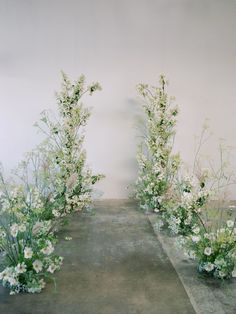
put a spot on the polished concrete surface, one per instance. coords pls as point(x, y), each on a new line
point(114, 264)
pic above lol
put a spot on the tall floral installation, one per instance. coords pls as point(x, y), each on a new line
point(191, 193)
point(158, 164)
point(52, 182)
point(192, 205)
point(212, 238)
point(203, 215)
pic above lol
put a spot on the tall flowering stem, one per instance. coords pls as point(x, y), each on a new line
point(157, 163)
point(65, 137)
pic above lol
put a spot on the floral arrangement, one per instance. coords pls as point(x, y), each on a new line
point(213, 240)
point(73, 179)
point(202, 216)
point(193, 207)
point(50, 183)
point(215, 251)
point(157, 164)
point(28, 257)
point(191, 197)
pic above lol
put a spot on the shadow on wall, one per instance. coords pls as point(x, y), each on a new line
point(138, 117)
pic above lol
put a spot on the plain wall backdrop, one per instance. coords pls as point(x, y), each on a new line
point(119, 43)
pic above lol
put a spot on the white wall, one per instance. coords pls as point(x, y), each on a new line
point(120, 43)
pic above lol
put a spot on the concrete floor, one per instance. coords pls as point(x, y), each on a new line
point(114, 264)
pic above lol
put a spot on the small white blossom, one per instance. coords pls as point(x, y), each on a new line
point(20, 268)
point(37, 265)
point(196, 238)
point(52, 268)
point(209, 267)
point(28, 252)
point(196, 230)
point(22, 227)
point(234, 273)
point(12, 281)
point(14, 230)
point(221, 274)
point(230, 223)
point(208, 251)
point(56, 213)
point(48, 249)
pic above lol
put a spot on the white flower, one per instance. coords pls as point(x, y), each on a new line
point(177, 221)
point(230, 223)
point(187, 197)
point(56, 213)
point(28, 252)
point(59, 260)
point(37, 265)
point(12, 292)
point(20, 268)
point(221, 274)
point(196, 230)
point(14, 230)
point(208, 251)
point(234, 273)
point(199, 210)
point(12, 281)
point(209, 236)
point(196, 238)
point(22, 228)
point(48, 249)
point(6, 273)
point(52, 268)
point(209, 267)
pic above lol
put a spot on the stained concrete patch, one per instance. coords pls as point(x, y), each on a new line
point(114, 264)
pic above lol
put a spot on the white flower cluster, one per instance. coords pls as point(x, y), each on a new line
point(34, 266)
point(215, 251)
point(191, 196)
